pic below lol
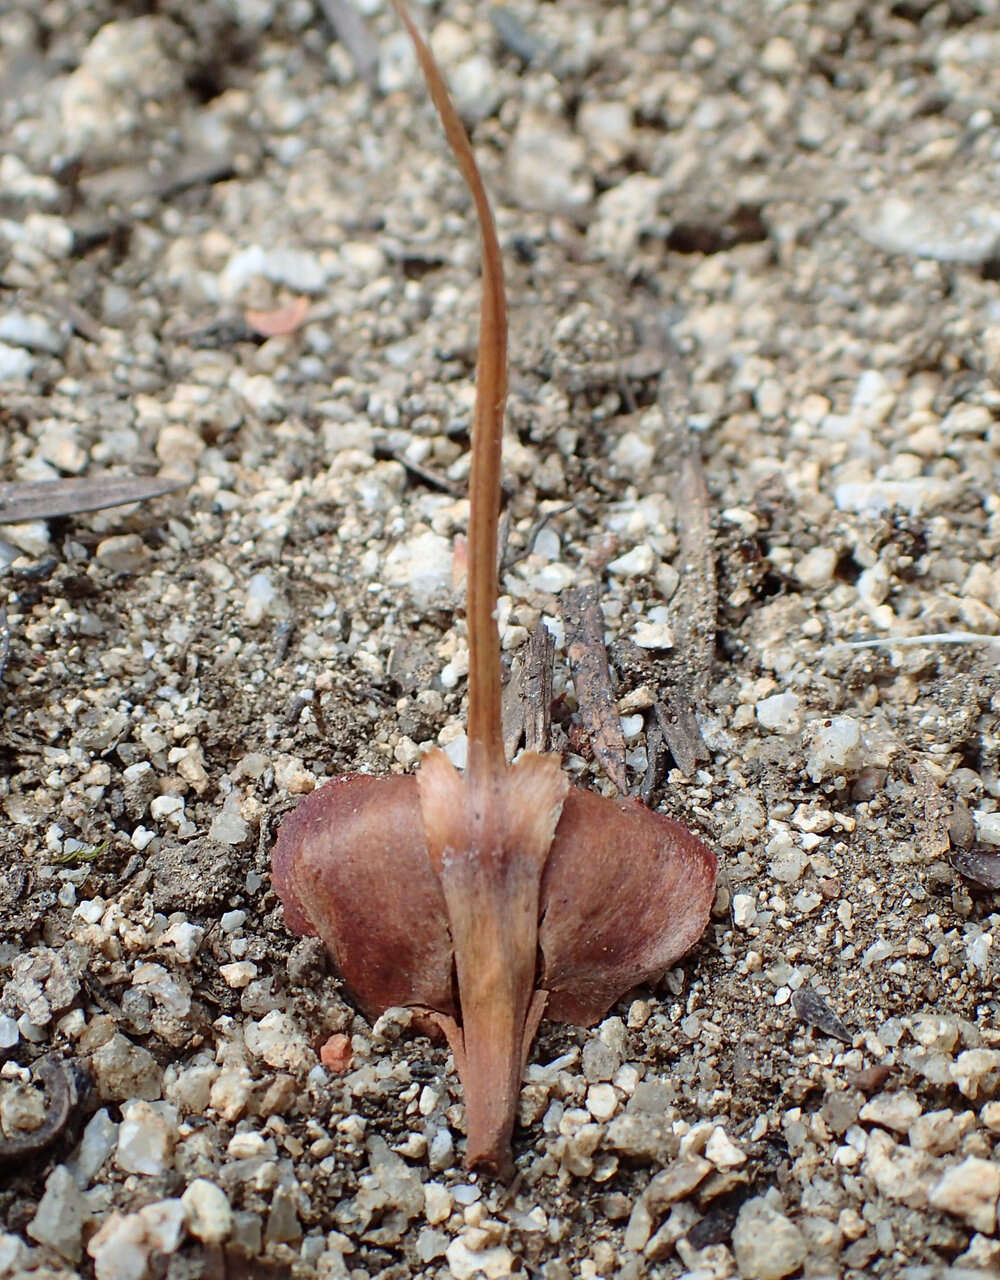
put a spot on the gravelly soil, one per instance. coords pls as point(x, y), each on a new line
point(805, 198)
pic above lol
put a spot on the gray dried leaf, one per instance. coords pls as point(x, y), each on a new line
point(680, 730)
point(588, 661)
point(48, 499)
point(813, 1010)
point(961, 827)
point(981, 866)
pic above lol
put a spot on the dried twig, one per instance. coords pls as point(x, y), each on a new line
point(435, 479)
point(654, 761)
point(912, 642)
point(128, 184)
point(48, 499)
point(588, 660)
point(696, 599)
point(511, 557)
point(526, 701)
point(512, 706)
point(4, 640)
point(680, 731)
point(538, 689)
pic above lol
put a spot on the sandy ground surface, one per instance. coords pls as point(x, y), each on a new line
point(803, 196)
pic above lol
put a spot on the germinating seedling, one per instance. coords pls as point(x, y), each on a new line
point(490, 898)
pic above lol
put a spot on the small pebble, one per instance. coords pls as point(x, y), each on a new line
point(23, 329)
point(229, 826)
point(654, 635)
point(120, 1248)
point(766, 1244)
point(239, 974)
point(336, 1054)
point(744, 910)
point(124, 553)
point(780, 713)
point(59, 1218)
point(896, 1110)
point(602, 1101)
point(638, 562)
point(977, 1073)
point(722, 1151)
point(422, 567)
point(123, 1070)
point(261, 600)
point(100, 1138)
point(164, 1222)
point(547, 165)
point(970, 1192)
point(987, 826)
point(279, 1042)
point(146, 1138)
point(437, 1202)
point(464, 1263)
point(441, 1150)
point(209, 1215)
point(15, 363)
point(835, 746)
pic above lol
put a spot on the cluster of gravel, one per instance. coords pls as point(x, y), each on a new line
point(805, 195)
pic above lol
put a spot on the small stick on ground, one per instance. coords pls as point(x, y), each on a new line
point(526, 701)
point(4, 640)
point(512, 706)
point(654, 761)
point(434, 479)
point(695, 602)
point(588, 660)
point(676, 722)
point(538, 689)
point(510, 558)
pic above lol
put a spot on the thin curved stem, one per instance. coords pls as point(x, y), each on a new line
point(491, 394)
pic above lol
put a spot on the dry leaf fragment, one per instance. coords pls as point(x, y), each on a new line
point(588, 660)
point(869, 1079)
point(813, 1009)
point(280, 320)
point(49, 499)
point(980, 866)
